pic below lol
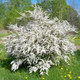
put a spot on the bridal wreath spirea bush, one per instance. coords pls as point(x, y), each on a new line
point(42, 43)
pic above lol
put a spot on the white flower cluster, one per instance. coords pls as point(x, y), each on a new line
point(41, 43)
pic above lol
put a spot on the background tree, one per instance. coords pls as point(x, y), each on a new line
point(9, 8)
point(56, 8)
point(60, 9)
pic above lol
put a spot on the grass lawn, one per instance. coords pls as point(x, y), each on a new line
point(77, 41)
point(4, 34)
point(60, 72)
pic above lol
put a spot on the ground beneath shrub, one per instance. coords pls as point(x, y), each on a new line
point(2, 39)
point(4, 31)
point(3, 36)
point(77, 47)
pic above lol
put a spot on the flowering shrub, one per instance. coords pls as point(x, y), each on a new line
point(42, 43)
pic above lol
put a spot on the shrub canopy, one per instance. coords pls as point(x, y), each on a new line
point(42, 43)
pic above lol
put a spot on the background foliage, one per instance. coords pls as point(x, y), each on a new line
point(8, 11)
point(60, 9)
point(56, 8)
